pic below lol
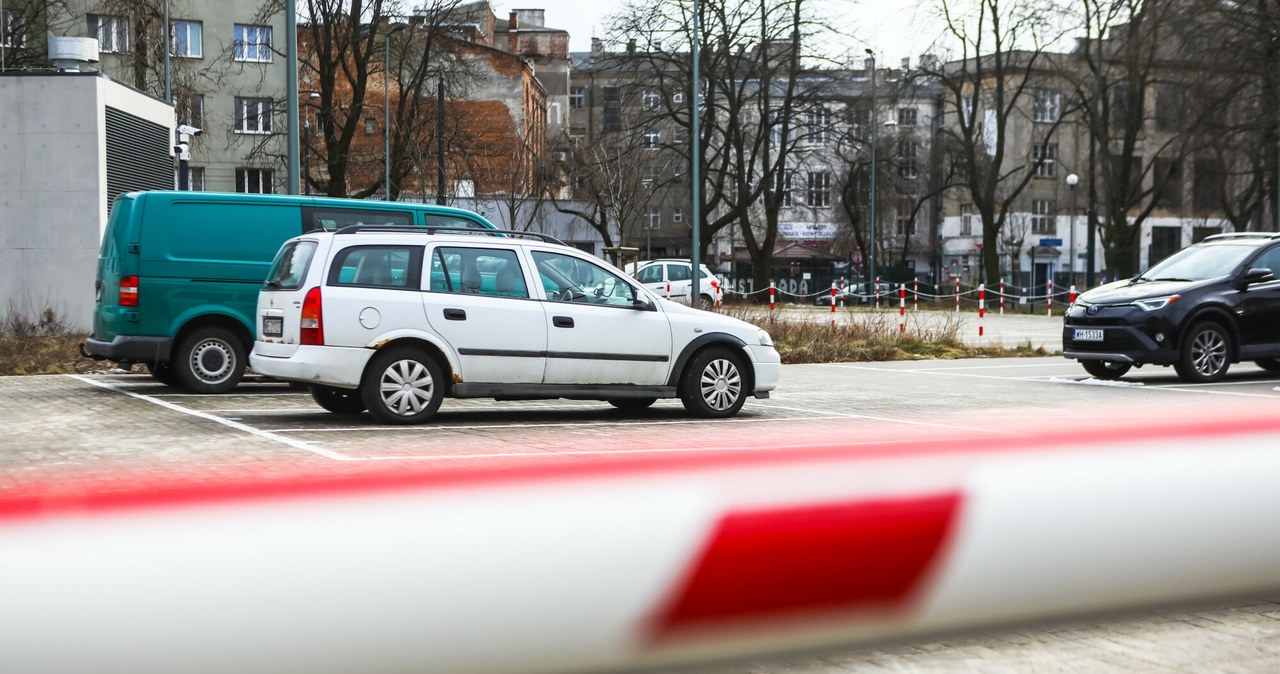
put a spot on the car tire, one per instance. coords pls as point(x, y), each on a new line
point(163, 373)
point(1108, 370)
point(706, 303)
point(713, 385)
point(633, 404)
point(209, 360)
point(1269, 364)
point(1206, 353)
point(402, 385)
point(338, 400)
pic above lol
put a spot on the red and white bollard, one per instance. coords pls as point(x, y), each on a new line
point(915, 293)
point(982, 307)
point(877, 293)
point(668, 293)
point(1050, 297)
point(772, 289)
point(902, 308)
point(833, 304)
point(957, 294)
point(841, 298)
point(1001, 297)
point(1072, 297)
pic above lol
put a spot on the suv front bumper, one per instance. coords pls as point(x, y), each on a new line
point(1129, 335)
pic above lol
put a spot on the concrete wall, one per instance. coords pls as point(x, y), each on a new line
point(53, 188)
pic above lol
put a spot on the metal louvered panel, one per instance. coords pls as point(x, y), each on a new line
point(137, 155)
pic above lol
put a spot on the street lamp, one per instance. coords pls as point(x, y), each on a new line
point(871, 224)
point(306, 145)
point(1072, 181)
point(386, 126)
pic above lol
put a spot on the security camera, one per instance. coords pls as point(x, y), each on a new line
point(188, 130)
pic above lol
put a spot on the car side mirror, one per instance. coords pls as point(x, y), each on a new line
point(1258, 275)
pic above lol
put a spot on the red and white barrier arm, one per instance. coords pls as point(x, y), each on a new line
point(589, 567)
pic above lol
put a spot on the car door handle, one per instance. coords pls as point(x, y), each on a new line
point(455, 315)
point(562, 321)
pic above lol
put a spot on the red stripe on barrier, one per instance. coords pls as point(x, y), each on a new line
point(782, 563)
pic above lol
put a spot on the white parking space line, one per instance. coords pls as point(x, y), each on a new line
point(946, 372)
point(907, 422)
point(266, 435)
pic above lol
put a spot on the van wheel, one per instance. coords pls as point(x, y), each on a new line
point(209, 360)
point(712, 385)
point(164, 373)
point(402, 385)
point(338, 400)
point(1206, 353)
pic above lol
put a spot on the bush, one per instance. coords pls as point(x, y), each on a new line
point(43, 346)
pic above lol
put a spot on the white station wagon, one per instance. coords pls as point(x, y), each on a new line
point(393, 320)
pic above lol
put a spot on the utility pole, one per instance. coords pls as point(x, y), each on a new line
point(871, 200)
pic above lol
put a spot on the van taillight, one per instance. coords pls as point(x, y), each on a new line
point(129, 291)
point(312, 322)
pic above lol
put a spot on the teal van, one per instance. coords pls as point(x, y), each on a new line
point(179, 273)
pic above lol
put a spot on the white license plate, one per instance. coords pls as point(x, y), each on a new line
point(272, 326)
point(1087, 335)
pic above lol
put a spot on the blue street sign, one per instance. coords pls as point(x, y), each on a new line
point(1050, 242)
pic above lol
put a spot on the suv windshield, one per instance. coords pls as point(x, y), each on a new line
point(1198, 263)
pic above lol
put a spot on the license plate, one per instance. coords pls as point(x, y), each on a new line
point(272, 326)
point(1087, 335)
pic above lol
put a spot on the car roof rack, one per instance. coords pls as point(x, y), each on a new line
point(1242, 235)
point(401, 229)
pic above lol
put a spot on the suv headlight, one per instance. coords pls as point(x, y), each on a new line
point(1153, 303)
point(765, 339)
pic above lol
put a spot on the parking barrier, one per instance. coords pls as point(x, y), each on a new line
point(1050, 297)
point(957, 294)
point(877, 293)
point(833, 304)
point(915, 293)
point(1072, 296)
point(643, 564)
point(902, 309)
point(982, 308)
point(1001, 297)
point(772, 291)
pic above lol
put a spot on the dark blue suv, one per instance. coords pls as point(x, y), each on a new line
point(1200, 310)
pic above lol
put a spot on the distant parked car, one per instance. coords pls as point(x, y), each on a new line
point(657, 274)
point(1201, 309)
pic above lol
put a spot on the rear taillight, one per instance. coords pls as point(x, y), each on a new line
point(129, 291)
point(312, 321)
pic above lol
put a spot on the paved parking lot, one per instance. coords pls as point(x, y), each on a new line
point(93, 431)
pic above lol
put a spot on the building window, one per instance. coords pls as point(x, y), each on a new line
point(370, 125)
point(576, 134)
point(185, 39)
point(253, 115)
point(677, 215)
point(650, 99)
point(908, 150)
point(966, 220)
point(252, 43)
point(254, 181)
point(819, 121)
point(905, 222)
point(652, 218)
point(577, 97)
point(611, 95)
point(1167, 174)
point(782, 186)
point(677, 96)
point(195, 178)
point(1042, 217)
point(612, 118)
point(651, 139)
point(1045, 158)
point(1209, 189)
point(1169, 107)
point(819, 189)
point(112, 32)
point(191, 109)
point(907, 116)
point(13, 28)
point(1047, 106)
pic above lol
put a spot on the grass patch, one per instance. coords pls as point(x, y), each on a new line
point(41, 346)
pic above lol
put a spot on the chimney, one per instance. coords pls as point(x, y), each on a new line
point(513, 28)
point(597, 47)
point(631, 47)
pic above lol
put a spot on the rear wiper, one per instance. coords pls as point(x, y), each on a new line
point(272, 284)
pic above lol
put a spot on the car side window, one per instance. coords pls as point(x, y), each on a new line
point(571, 279)
point(377, 266)
point(677, 272)
point(650, 274)
point(1270, 260)
point(477, 271)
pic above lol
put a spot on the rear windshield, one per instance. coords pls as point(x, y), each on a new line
point(290, 266)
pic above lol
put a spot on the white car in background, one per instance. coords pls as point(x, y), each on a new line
point(670, 278)
point(394, 320)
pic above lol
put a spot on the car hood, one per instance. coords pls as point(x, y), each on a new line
point(709, 321)
point(1123, 292)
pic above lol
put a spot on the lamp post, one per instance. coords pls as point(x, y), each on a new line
point(871, 199)
point(306, 145)
point(695, 149)
point(386, 126)
point(1072, 181)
